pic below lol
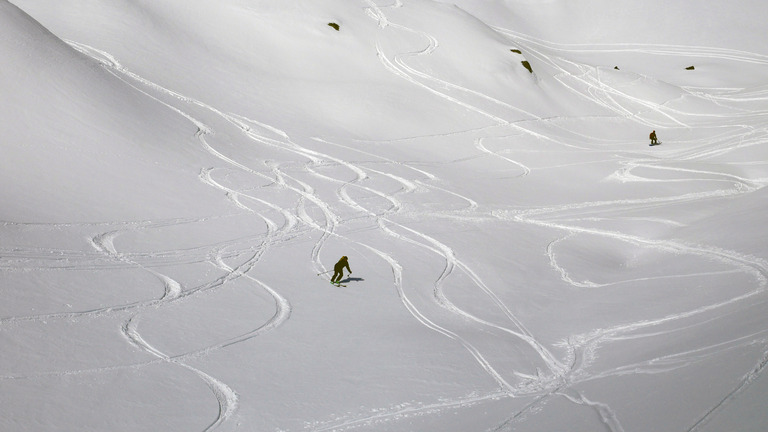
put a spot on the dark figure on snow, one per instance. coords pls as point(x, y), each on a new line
point(653, 138)
point(338, 269)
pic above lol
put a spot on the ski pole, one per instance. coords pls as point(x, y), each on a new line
point(324, 272)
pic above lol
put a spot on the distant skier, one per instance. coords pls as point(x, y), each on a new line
point(654, 141)
point(338, 269)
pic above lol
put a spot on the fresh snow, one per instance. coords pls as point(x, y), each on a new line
point(179, 176)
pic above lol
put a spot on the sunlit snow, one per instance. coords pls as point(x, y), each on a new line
point(179, 177)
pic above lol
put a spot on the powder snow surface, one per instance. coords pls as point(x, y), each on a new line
point(179, 177)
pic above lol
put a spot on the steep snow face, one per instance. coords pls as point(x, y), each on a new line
point(71, 124)
point(179, 178)
point(339, 81)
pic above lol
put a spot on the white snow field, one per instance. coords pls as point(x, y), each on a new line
point(178, 177)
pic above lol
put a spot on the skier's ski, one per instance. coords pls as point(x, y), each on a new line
point(338, 284)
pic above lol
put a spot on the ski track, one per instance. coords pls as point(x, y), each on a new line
point(562, 374)
point(104, 244)
point(225, 396)
point(614, 100)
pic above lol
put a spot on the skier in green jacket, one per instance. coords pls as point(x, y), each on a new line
point(338, 269)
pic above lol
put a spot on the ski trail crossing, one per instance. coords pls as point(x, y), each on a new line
point(330, 216)
point(329, 227)
point(303, 190)
point(748, 264)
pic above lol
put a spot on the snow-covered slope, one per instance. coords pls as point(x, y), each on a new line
point(179, 177)
point(81, 144)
